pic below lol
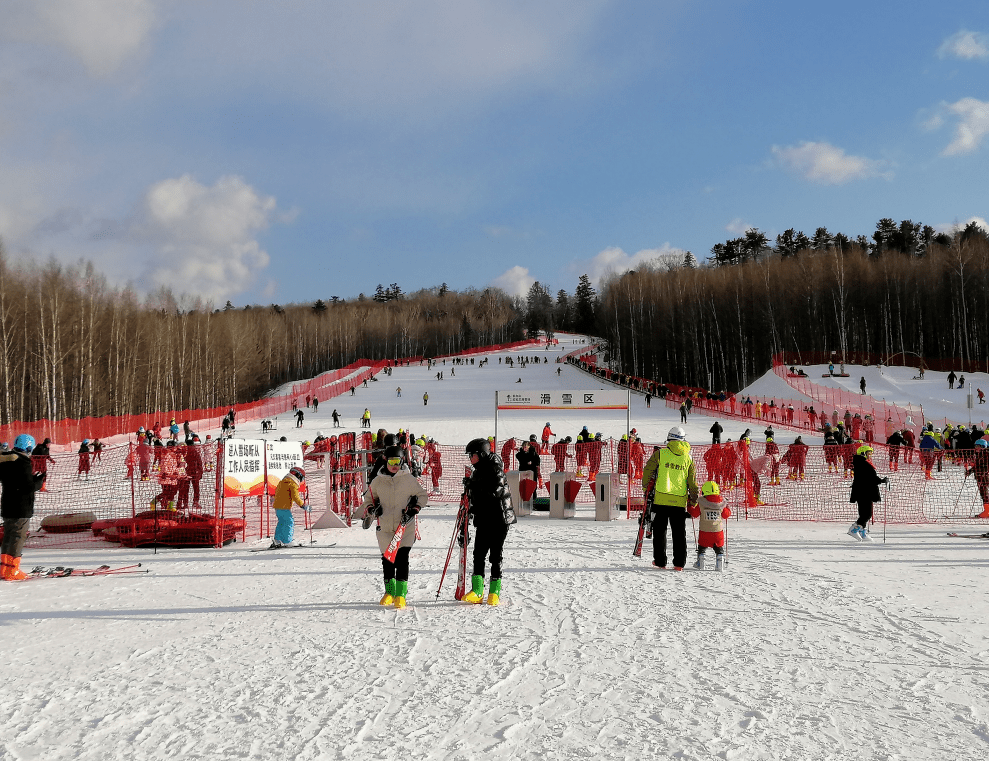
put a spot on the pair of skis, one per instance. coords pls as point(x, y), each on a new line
point(461, 530)
point(645, 522)
point(58, 572)
point(293, 546)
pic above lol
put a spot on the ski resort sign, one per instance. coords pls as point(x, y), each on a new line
point(243, 467)
point(548, 401)
point(596, 399)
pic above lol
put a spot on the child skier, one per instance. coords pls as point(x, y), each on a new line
point(287, 494)
point(712, 511)
point(865, 490)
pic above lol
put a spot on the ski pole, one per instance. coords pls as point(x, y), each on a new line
point(885, 508)
point(727, 521)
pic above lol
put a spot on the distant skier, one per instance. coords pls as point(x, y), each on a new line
point(862, 384)
point(299, 415)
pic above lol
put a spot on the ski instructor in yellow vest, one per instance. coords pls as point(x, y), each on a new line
point(676, 488)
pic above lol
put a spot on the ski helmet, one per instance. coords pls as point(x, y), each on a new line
point(981, 443)
point(392, 452)
point(479, 447)
point(24, 443)
point(676, 434)
point(298, 473)
point(710, 489)
point(863, 450)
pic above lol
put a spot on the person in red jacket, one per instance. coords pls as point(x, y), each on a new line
point(712, 511)
point(547, 432)
point(559, 451)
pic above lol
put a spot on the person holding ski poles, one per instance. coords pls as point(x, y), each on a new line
point(491, 508)
point(676, 489)
point(19, 482)
point(394, 494)
point(712, 511)
point(865, 490)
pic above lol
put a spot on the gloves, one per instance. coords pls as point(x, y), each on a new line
point(461, 537)
point(726, 513)
point(376, 510)
point(412, 508)
point(694, 510)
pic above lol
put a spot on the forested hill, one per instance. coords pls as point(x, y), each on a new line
point(718, 326)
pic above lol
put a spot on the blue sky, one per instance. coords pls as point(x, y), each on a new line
point(284, 152)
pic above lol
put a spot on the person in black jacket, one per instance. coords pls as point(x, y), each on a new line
point(528, 459)
point(491, 510)
point(865, 490)
point(40, 457)
point(19, 482)
point(716, 431)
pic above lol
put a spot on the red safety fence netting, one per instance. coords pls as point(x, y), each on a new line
point(109, 499)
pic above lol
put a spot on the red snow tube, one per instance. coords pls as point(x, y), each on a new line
point(527, 488)
point(570, 490)
point(145, 528)
point(67, 523)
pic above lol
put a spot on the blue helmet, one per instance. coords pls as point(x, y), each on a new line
point(85, 441)
point(981, 443)
point(24, 443)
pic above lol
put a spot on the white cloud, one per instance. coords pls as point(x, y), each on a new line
point(965, 44)
point(103, 34)
point(827, 164)
point(614, 261)
point(515, 281)
point(973, 125)
point(737, 226)
point(203, 239)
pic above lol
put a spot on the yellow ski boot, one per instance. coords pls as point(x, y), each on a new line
point(476, 594)
point(494, 592)
point(389, 597)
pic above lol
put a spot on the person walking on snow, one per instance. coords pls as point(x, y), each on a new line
point(862, 384)
point(492, 514)
point(716, 431)
point(392, 495)
point(425, 399)
point(366, 419)
point(336, 419)
point(19, 482)
point(299, 415)
point(675, 489)
point(712, 511)
point(286, 495)
point(865, 491)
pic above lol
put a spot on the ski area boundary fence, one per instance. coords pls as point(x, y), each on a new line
point(109, 500)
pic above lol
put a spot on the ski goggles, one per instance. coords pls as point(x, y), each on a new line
point(394, 460)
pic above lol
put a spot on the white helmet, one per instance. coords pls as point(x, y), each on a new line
point(676, 434)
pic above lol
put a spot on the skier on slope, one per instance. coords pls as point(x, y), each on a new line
point(865, 491)
point(392, 495)
point(491, 509)
point(287, 494)
point(712, 511)
point(20, 483)
point(676, 488)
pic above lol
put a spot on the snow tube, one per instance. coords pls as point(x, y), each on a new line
point(144, 528)
point(527, 488)
point(570, 490)
point(67, 523)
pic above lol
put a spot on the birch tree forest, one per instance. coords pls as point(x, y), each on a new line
point(71, 346)
point(718, 327)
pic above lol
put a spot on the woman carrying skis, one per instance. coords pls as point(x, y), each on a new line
point(392, 495)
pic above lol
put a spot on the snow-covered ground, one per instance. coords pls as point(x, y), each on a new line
point(810, 645)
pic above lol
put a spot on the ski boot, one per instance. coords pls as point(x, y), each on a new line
point(863, 535)
point(853, 530)
point(719, 562)
point(401, 589)
point(10, 569)
point(476, 594)
point(699, 565)
point(494, 593)
point(390, 588)
point(985, 511)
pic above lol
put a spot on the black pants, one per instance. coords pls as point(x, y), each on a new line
point(865, 513)
point(400, 568)
point(14, 536)
point(676, 517)
point(489, 541)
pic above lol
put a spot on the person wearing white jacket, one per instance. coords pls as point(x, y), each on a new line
point(393, 494)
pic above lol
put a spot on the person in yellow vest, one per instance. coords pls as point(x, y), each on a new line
point(286, 495)
point(675, 489)
point(366, 418)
